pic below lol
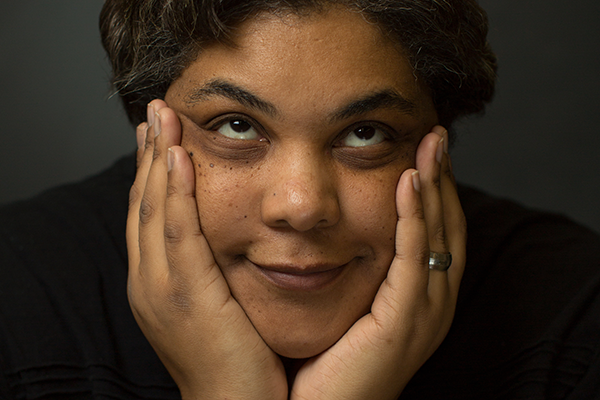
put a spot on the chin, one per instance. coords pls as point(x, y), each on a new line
point(300, 349)
point(299, 338)
point(300, 323)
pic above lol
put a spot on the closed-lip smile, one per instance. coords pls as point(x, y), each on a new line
point(301, 278)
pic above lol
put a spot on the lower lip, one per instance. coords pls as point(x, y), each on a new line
point(302, 282)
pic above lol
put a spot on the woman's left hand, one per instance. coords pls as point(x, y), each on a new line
point(414, 307)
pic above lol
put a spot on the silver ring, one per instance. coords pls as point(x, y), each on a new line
point(439, 261)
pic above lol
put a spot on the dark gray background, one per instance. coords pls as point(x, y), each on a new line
point(538, 142)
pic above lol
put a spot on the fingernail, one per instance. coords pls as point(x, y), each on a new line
point(170, 158)
point(150, 115)
point(439, 130)
point(446, 142)
point(142, 130)
point(157, 124)
point(416, 181)
point(440, 150)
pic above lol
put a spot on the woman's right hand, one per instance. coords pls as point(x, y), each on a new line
point(176, 291)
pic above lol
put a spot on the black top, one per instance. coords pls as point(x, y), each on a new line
point(527, 323)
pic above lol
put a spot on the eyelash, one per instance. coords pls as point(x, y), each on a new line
point(218, 122)
point(389, 133)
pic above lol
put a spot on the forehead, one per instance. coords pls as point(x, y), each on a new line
point(323, 59)
point(323, 35)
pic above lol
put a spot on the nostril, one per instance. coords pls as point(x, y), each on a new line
point(301, 203)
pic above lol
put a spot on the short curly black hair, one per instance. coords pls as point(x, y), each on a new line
point(150, 42)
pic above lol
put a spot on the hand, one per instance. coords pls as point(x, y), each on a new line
point(414, 307)
point(177, 293)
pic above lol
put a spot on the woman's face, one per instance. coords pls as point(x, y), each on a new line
point(299, 135)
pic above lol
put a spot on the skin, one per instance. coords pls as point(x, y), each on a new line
point(296, 238)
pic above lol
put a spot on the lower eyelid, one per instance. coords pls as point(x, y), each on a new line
point(354, 158)
point(217, 145)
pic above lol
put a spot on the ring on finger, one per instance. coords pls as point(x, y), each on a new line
point(439, 261)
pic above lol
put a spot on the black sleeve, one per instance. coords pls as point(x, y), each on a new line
point(66, 329)
point(527, 323)
point(4, 391)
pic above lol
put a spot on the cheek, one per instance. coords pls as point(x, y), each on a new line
point(371, 204)
point(370, 211)
point(227, 203)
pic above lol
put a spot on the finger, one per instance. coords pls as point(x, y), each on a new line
point(407, 278)
point(188, 252)
point(143, 161)
point(135, 194)
point(166, 130)
point(455, 225)
point(454, 218)
point(140, 135)
point(429, 158)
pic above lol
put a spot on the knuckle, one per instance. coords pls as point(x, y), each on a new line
point(419, 255)
point(156, 153)
point(171, 190)
point(178, 296)
point(419, 213)
point(448, 173)
point(136, 300)
point(173, 233)
point(439, 235)
point(134, 195)
point(148, 145)
point(436, 182)
point(422, 255)
point(179, 301)
point(147, 211)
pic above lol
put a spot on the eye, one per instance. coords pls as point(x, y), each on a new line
point(238, 129)
point(364, 136)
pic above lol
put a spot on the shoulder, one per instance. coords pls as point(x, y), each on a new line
point(66, 323)
point(92, 208)
point(68, 235)
point(526, 323)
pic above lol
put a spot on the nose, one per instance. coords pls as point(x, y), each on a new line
point(302, 196)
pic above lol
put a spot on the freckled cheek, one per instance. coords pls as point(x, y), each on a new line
point(226, 202)
point(371, 210)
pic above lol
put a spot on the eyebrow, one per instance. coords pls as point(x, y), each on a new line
point(386, 98)
point(218, 87)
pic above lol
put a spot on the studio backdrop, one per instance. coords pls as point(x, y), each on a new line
point(538, 143)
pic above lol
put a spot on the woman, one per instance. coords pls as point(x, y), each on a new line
point(299, 129)
point(294, 211)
